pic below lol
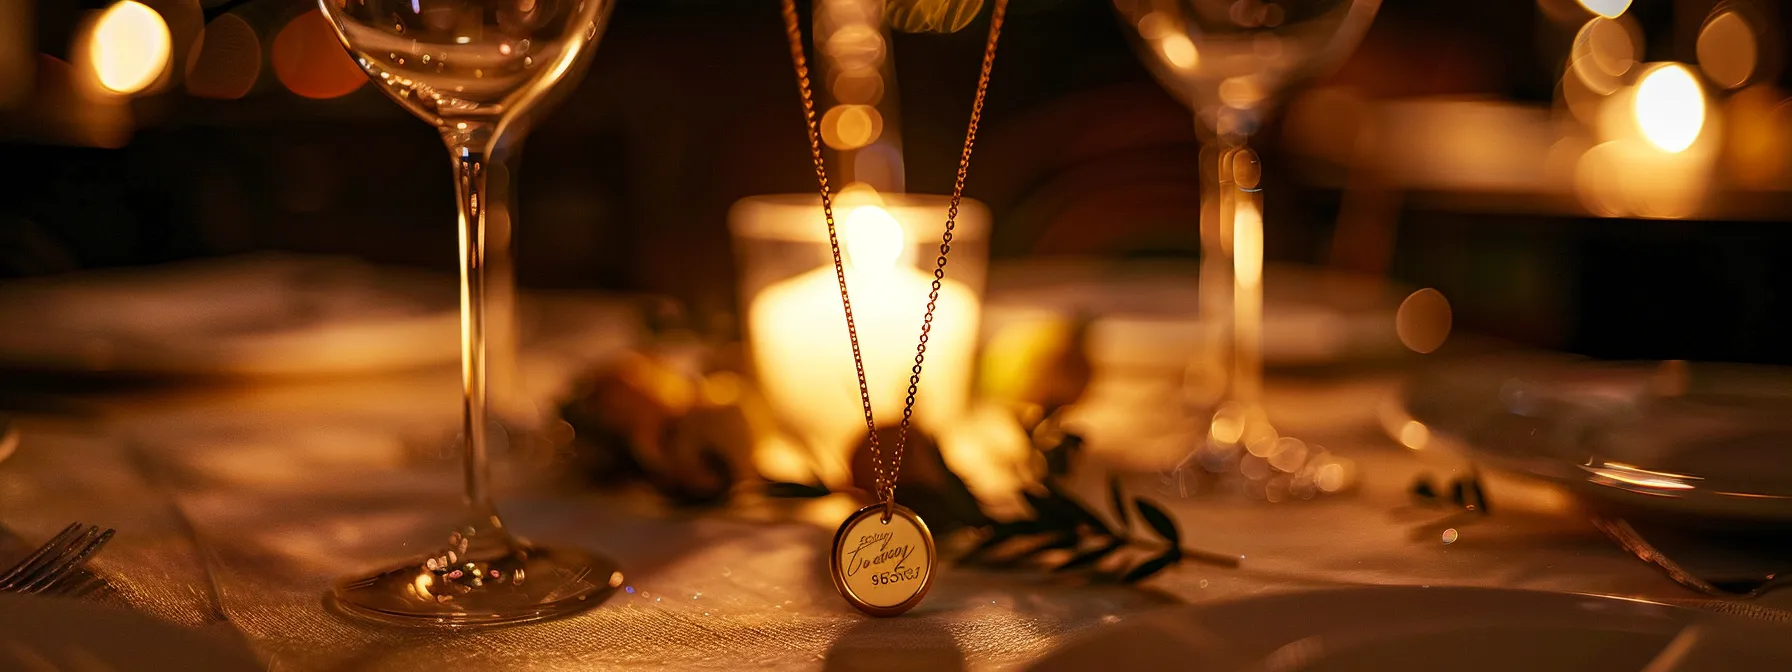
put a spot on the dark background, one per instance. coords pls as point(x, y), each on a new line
point(689, 105)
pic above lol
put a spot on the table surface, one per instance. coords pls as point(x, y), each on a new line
point(237, 505)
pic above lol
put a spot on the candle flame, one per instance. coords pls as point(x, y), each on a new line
point(874, 239)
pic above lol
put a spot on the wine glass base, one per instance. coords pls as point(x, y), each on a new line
point(526, 583)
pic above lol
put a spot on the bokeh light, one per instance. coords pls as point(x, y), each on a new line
point(1610, 9)
point(1565, 12)
point(1757, 141)
point(847, 127)
point(1240, 92)
point(1728, 49)
point(128, 48)
point(310, 62)
point(832, 14)
point(1604, 51)
point(1179, 51)
point(1287, 454)
point(1331, 477)
point(1670, 107)
point(1415, 435)
point(1423, 320)
point(225, 62)
point(1228, 423)
point(1598, 182)
point(856, 47)
point(1160, 30)
point(1632, 177)
point(860, 87)
point(1582, 102)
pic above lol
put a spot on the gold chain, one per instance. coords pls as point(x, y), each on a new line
point(886, 474)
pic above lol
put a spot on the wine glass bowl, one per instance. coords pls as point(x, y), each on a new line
point(1229, 60)
point(475, 69)
point(459, 59)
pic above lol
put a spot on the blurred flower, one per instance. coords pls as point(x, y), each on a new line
point(1037, 366)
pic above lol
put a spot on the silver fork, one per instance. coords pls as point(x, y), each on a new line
point(57, 558)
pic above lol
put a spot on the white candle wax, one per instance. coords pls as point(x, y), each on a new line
point(803, 358)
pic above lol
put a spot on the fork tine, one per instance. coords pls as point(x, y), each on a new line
point(50, 559)
point(71, 563)
point(20, 566)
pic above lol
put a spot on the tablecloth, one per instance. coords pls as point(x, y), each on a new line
point(238, 505)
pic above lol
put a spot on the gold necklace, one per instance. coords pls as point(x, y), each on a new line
point(873, 562)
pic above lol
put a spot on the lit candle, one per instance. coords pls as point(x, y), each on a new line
point(797, 329)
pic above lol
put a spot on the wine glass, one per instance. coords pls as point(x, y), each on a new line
point(1230, 61)
point(477, 70)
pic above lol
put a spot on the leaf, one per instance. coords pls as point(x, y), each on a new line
point(1000, 533)
point(1074, 508)
point(1090, 557)
point(1062, 541)
point(1118, 499)
point(1152, 566)
point(941, 496)
point(1050, 512)
point(1159, 521)
point(1021, 552)
point(795, 490)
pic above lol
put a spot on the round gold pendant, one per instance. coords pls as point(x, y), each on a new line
point(883, 566)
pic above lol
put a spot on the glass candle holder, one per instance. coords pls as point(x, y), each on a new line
point(795, 328)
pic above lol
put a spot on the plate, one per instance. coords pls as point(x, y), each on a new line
point(1665, 440)
point(50, 634)
point(1393, 628)
point(259, 315)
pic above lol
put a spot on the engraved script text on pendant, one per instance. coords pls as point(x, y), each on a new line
point(882, 567)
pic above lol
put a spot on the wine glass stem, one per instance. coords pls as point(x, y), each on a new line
point(468, 145)
point(1216, 261)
